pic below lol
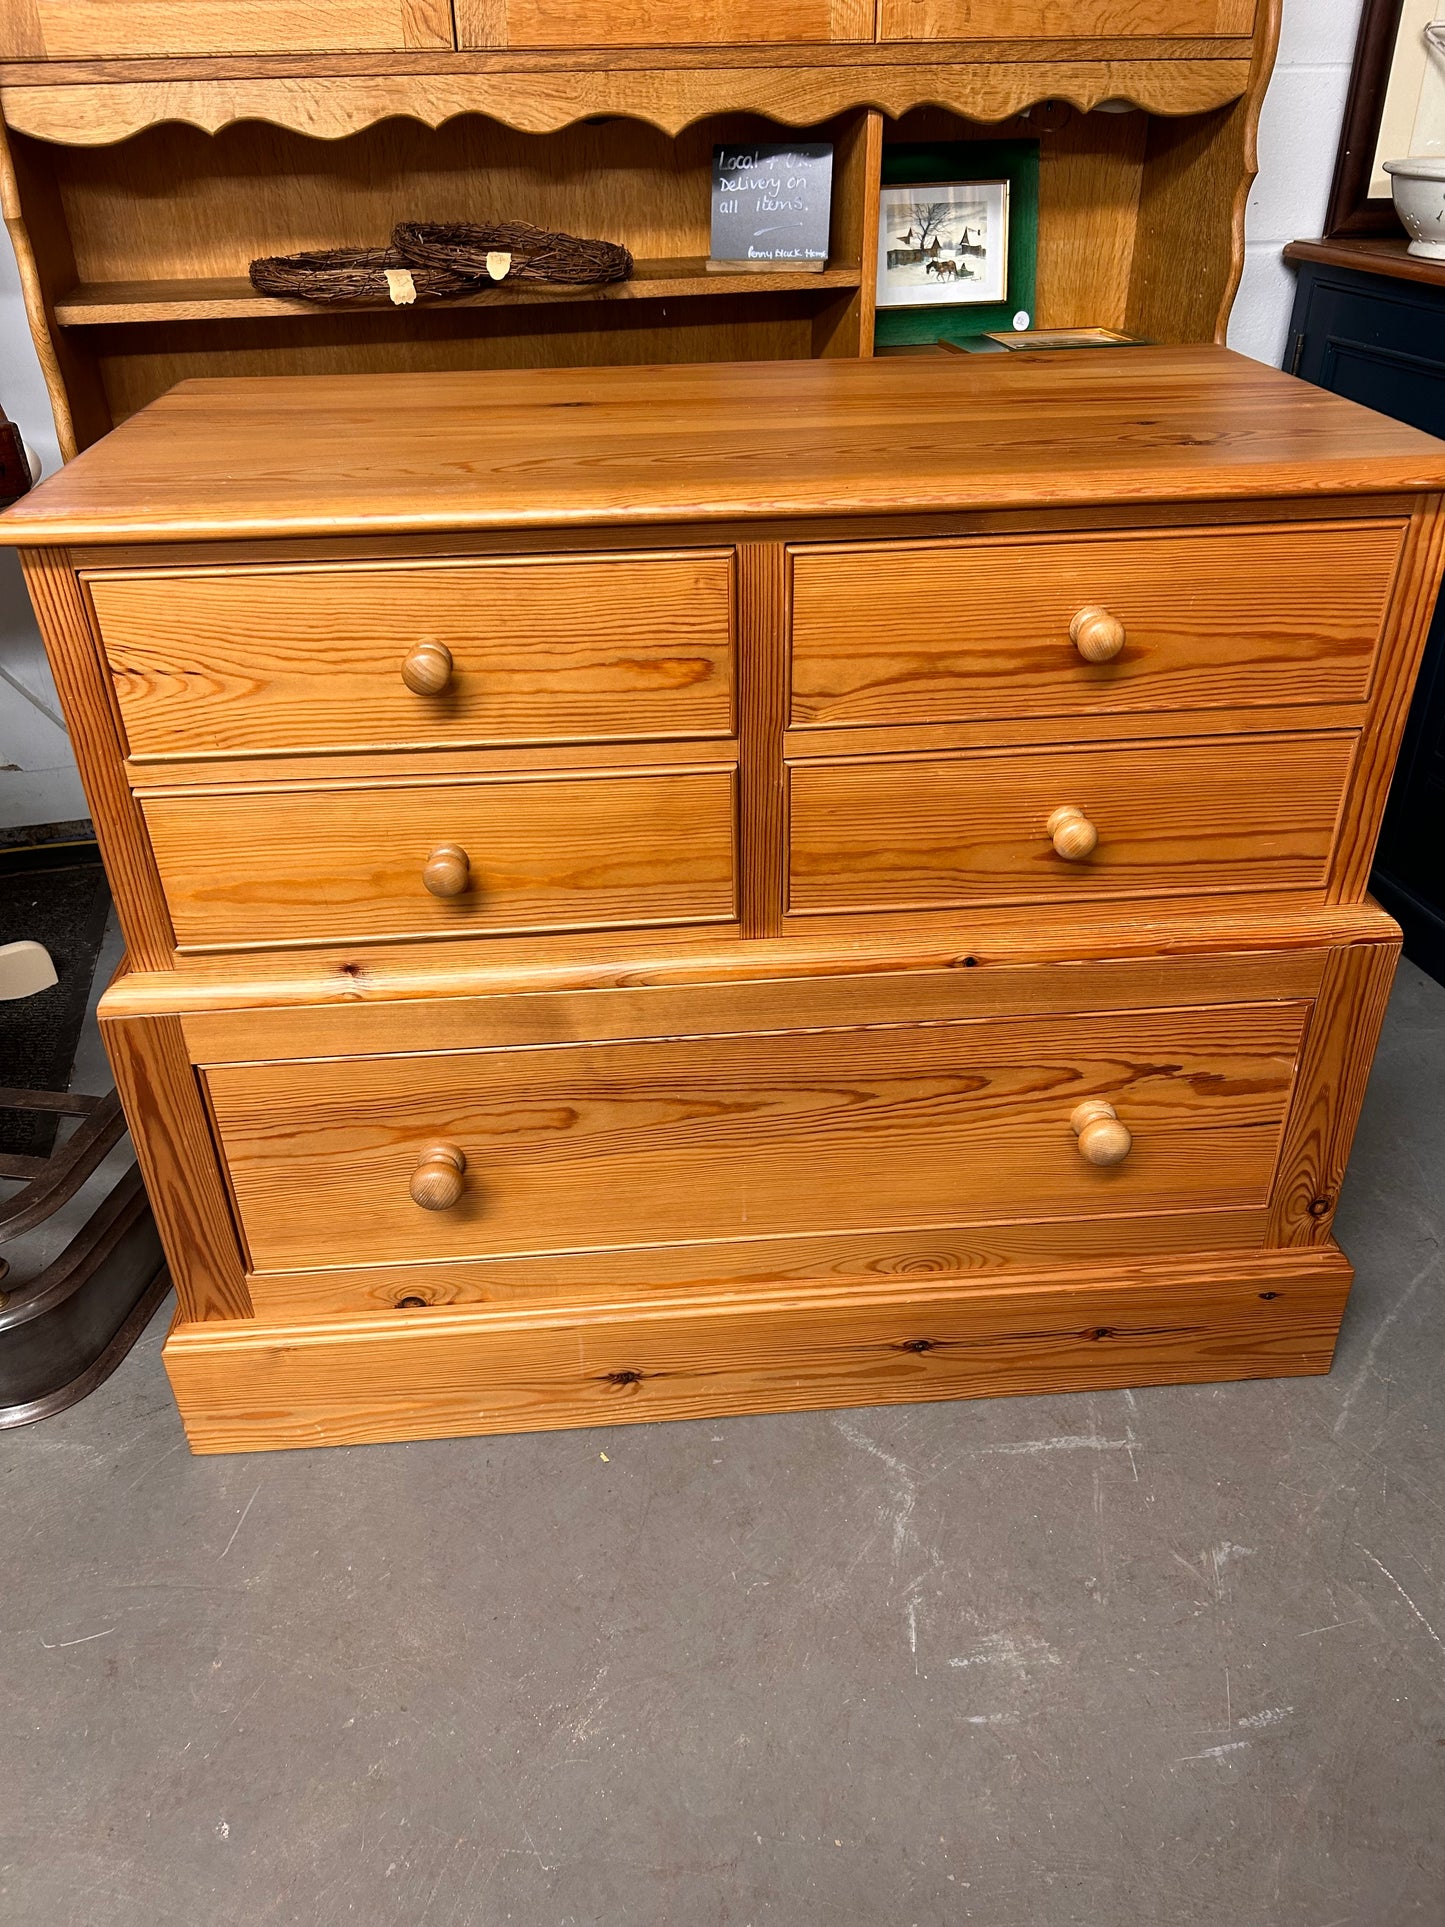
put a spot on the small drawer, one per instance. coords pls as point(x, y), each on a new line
point(345, 864)
point(404, 1159)
point(932, 832)
point(1089, 625)
point(593, 648)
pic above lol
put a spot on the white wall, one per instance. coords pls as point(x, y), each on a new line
point(1299, 133)
point(38, 783)
point(1298, 136)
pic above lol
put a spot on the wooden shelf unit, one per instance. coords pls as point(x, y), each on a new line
point(138, 190)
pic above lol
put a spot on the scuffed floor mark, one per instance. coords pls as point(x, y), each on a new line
point(1221, 1557)
point(896, 1518)
point(905, 1494)
point(1214, 1752)
point(1382, 1567)
point(1019, 1654)
point(1067, 1442)
point(84, 1640)
point(239, 1523)
point(910, 1607)
point(1271, 1716)
point(1367, 1363)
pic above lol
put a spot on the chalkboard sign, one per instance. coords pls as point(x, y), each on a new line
point(770, 207)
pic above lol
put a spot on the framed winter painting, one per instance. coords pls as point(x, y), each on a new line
point(942, 244)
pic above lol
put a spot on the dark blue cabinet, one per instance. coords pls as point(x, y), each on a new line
point(1381, 341)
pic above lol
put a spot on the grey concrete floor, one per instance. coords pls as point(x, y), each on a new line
point(1130, 1660)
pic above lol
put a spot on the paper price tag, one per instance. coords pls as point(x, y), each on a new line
point(499, 266)
point(401, 287)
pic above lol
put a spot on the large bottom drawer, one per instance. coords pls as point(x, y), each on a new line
point(652, 1142)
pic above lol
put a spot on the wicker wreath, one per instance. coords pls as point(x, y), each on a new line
point(355, 274)
point(536, 254)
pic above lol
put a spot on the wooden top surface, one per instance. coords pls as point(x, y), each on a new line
point(592, 447)
point(1387, 254)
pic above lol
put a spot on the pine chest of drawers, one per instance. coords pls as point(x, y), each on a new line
point(653, 893)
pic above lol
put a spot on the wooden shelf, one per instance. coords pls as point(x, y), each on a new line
point(107, 304)
point(1372, 254)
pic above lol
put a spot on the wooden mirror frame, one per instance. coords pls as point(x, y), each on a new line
point(1351, 210)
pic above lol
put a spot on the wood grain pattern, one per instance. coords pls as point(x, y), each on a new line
point(754, 326)
point(1091, 174)
point(1387, 254)
point(83, 688)
point(967, 1255)
point(293, 769)
point(1212, 618)
point(629, 182)
point(91, 29)
point(173, 1146)
point(99, 113)
point(983, 19)
point(37, 73)
point(598, 649)
point(565, 448)
point(985, 943)
point(576, 1147)
point(1024, 732)
point(1344, 1029)
point(643, 23)
point(880, 526)
point(108, 304)
point(307, 865)
point(763, 648)
point(1189, 237)
point(916, 833)
point(45, 262)
point(20, 35)
point(1178, 1321)
point(1416, 594)
point(784, 999)
point(845, 326)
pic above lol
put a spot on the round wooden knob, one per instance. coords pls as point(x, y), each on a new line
point(1096, 634)
point(428, 669)
point(437, 1183)
point(1074, 835)
point(448, 870)
point(1102, 1138)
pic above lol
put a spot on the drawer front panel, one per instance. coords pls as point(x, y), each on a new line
point(266, 867)
point(95, 29)
point(596, 1146)
point(600, 648)
point(1034, 19)
point(901, 833)
point(1212, 619)
point(659, 23)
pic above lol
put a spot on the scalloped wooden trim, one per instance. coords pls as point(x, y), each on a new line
point(330, 109)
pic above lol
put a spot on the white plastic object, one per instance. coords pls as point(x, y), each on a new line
point(25, 968)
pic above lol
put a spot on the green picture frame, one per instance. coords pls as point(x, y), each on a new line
point(1017, 162)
